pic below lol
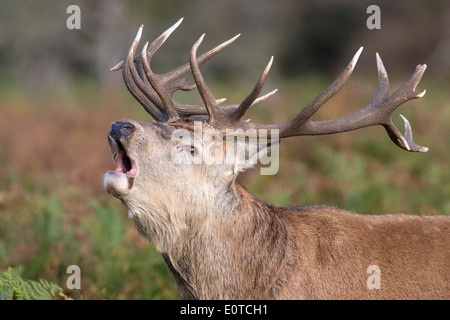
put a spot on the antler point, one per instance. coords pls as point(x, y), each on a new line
point(117, 66)
point(420, 95)
point(140, 30)
point(356, 56)
point(138, 35)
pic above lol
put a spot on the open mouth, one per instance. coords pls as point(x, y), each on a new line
point(124, 163)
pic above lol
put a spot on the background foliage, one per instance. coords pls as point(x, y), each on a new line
point(58, 99)
point(14, 287)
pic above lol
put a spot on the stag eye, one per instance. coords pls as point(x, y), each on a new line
point(127, 130)
point(192, 150)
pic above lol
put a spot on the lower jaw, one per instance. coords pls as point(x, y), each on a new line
point(127, 174)
point(118, 183)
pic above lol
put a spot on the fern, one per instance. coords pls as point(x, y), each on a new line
point(13, 286)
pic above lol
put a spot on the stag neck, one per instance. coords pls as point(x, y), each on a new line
point(253, 227)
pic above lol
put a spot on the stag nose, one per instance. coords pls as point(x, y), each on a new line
point(121, 129)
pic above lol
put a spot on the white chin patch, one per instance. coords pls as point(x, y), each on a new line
point(118, 183)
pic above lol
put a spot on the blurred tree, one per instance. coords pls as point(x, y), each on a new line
point(320, 36)
point(40, 54)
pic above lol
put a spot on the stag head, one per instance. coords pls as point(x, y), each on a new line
point(157, 178)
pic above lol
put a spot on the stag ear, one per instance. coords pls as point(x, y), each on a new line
point(244, 153)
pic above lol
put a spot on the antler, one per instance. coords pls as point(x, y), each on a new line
point(155, 94)
point(155, 91)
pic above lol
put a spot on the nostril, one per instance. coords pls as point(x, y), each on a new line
point(121, 129)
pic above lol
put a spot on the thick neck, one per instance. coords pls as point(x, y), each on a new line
point(236, 255)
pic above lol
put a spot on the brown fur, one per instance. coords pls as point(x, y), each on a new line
point(220, 242)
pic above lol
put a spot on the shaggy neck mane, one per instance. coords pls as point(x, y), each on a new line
point(220, 239)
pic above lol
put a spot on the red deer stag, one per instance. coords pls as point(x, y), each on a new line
point(219, 241)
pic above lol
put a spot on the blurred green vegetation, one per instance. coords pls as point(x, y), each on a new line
point(14, 287)
point(39, 232)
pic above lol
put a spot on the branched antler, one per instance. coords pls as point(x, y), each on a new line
point(155, 93)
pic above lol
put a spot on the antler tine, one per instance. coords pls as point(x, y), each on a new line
point(135, 85)
point(184, 72)
point(409, 138)
point(251, 98)
point(146, 55)
point(176, 79)
point(382, 91)
point(301, 124)
point(156, 94)
point(157, 81)
point(227, 115)
point(323, 97)
point(156, 44)
point(152, 78)
point(264, 98)
point(117, 66)
point(212, 106)
point(200, 110)
point(230, 108)
point(403, 94)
